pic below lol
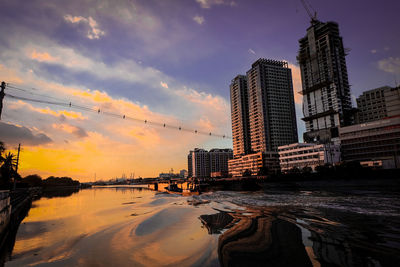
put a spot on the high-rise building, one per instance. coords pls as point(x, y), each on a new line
point(201, 163)
point(219, 159)
point(272, 113)
point(263, 116)
point(378, 103)
point(326, 90)
point(240, 116)
point(190, 168)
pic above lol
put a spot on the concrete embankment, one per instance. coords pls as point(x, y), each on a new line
point(14, 206)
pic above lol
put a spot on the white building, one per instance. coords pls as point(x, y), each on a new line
point(300, 155)
point(253, 163)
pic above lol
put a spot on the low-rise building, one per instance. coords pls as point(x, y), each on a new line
point(253, 163)
point(300, 155)
point(164, 175)
point(377, 141)
point(378, 103)
point(183, 174)
point(220, 174)
point(392, 99)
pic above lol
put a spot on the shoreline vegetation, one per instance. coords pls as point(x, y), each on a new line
point(35, 180)
point(10, 179)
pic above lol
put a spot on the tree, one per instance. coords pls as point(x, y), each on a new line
point(263, 171)
point(294, 170)
point(8, 169)
point(33, 180)
point(2, 149)
point(306, 169)
point(322, 169)
point(246, 173)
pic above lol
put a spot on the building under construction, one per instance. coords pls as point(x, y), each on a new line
point(325, 86)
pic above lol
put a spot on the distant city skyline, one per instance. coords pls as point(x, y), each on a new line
point(167, 60)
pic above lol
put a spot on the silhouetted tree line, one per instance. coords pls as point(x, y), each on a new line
point(36, 180)
point(8, 173)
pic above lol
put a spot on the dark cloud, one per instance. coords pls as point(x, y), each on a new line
point(79, 132)
point(11, 134)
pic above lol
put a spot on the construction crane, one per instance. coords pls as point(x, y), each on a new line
point(310, 10)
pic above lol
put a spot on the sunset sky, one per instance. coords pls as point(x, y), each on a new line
point(169, 61)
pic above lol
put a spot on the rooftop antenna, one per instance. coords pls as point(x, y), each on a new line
point(310, 11)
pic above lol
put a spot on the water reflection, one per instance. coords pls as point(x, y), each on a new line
point(114, 226)
point(59, 192)
point(215, 223)
point(140, 227)
point(10, 234)
point(300, 237)
point(257, 240)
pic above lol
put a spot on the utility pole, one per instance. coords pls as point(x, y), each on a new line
point(2, 94)
point(16, 168)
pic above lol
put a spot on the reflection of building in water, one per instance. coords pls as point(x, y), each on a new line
point(266, 240)
point(215, 223)
point(260, 238)
point(256, 240)
point(331, 251)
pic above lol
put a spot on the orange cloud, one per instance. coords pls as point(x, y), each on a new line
point(204, 99)
point(100, 154)
point(95, 95)
point(147, 137)
point(165, 85)
point(112, 146)
point(9, 74)
point(77, 131)
point(48, 111)
point(42, 57)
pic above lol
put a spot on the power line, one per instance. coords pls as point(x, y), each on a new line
point(29, 92)
point(64, 104)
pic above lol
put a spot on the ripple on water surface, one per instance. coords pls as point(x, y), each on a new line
point(125, 227)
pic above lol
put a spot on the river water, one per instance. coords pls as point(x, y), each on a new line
point(130, 226)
